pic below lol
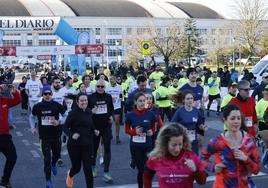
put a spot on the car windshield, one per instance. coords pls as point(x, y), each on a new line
point(259, 66)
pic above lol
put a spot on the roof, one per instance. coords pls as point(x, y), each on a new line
point(12, 8)
point(195, 10)
point(106, 8)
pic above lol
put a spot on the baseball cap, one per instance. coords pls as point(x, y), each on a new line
point(46, 89)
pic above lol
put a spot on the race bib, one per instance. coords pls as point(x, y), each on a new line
point(191, 135)
point(101, 109)
point(248, 121)
point(139, 139)
point(47, 120)
point(69, 103)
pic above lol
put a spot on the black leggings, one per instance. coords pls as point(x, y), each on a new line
point(78, 154)
point(166, 111)
point(47, 146)
point(8, 149)
point(106, 139)
point(139, 155)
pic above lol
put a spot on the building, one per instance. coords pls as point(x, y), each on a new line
point(113, 20)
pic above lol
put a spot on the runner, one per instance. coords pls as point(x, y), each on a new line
point(115, 91)
point(9, 97)
point(50, 130)
point(214, 92)
point(140, 125)
point(79, 128)
point(235, 152)
point(102, 105)
point(172, 160)
point(190, 117)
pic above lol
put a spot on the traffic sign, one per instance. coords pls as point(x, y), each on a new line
point(146, 47)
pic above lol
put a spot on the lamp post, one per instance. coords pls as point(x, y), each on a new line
point(117, 52)
point(188, 33)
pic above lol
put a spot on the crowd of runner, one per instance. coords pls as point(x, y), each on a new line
point(164, 114)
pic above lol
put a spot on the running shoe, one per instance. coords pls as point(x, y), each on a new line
point(94, 172)
point(101, 160)
point(54, 170)
point(49, 184)
point(264, 158)
point(118, 141)
point(251, 183)
point(69, 180)
point(60, 163)
point(265, 166)
point(5, 185)
point(107, 177)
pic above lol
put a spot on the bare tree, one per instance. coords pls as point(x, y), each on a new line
point(252, 15)
point(164, 42)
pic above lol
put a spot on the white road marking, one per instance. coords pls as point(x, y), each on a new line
point(35, 154)
point(155, 184)
point(26, 142)
point(19, 133)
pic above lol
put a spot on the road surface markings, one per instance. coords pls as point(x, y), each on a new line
point(35, 154)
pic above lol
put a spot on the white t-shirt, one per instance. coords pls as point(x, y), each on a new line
point(115, 91)
point(65, 91)
point(34, 88)
point(58, 96)
point(91, 89)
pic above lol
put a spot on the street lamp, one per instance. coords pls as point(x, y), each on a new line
point(188, 33)
point(117, 51)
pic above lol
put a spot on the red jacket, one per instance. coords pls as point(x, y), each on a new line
point(5, 104)
point(247, 108)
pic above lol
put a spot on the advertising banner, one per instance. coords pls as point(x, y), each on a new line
point(89, 49)
point(7, 51)
point(45, 50)
point(29, 24)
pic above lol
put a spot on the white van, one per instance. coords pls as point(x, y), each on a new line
point(260, 68)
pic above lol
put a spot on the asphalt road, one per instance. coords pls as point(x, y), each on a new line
point(28, 172)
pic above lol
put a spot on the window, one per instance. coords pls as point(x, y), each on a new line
point(141, 31)
point(12, 34)
point(114, 31)
point(82, 29)
point(11, 42)
point(114, 53)
point(47, 42)
point(115, 42)
point(98, 41)
point(129, 31)
point(97, 31)
point(213, 31)
point(29, 42)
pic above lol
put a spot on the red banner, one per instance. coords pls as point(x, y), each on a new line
point(89, 49)
point(7, 51)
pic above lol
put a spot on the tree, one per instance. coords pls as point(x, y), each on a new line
point(164, 43)
point(190, 24)
point(252, 15)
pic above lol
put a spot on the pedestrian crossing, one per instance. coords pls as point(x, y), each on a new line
point(155, 184)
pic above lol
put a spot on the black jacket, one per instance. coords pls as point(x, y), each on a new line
point(104, 103)
point(45, 111)
point(79, 121)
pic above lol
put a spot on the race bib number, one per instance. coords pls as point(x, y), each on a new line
point(69, 103)
point(47, 120)
point(191, 135)
point(139, 139)
point(248, 121)
point(101, 109)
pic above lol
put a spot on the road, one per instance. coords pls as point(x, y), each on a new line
point(28, 172)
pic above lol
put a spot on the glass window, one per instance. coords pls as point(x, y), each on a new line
point(97, 31)
point(114, 31)
point(11, 42)
point(115, 42)
point(129, 31)
point(98, 41)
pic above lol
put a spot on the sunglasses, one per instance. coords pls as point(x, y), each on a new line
point(46, 94)
point(100, 86)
